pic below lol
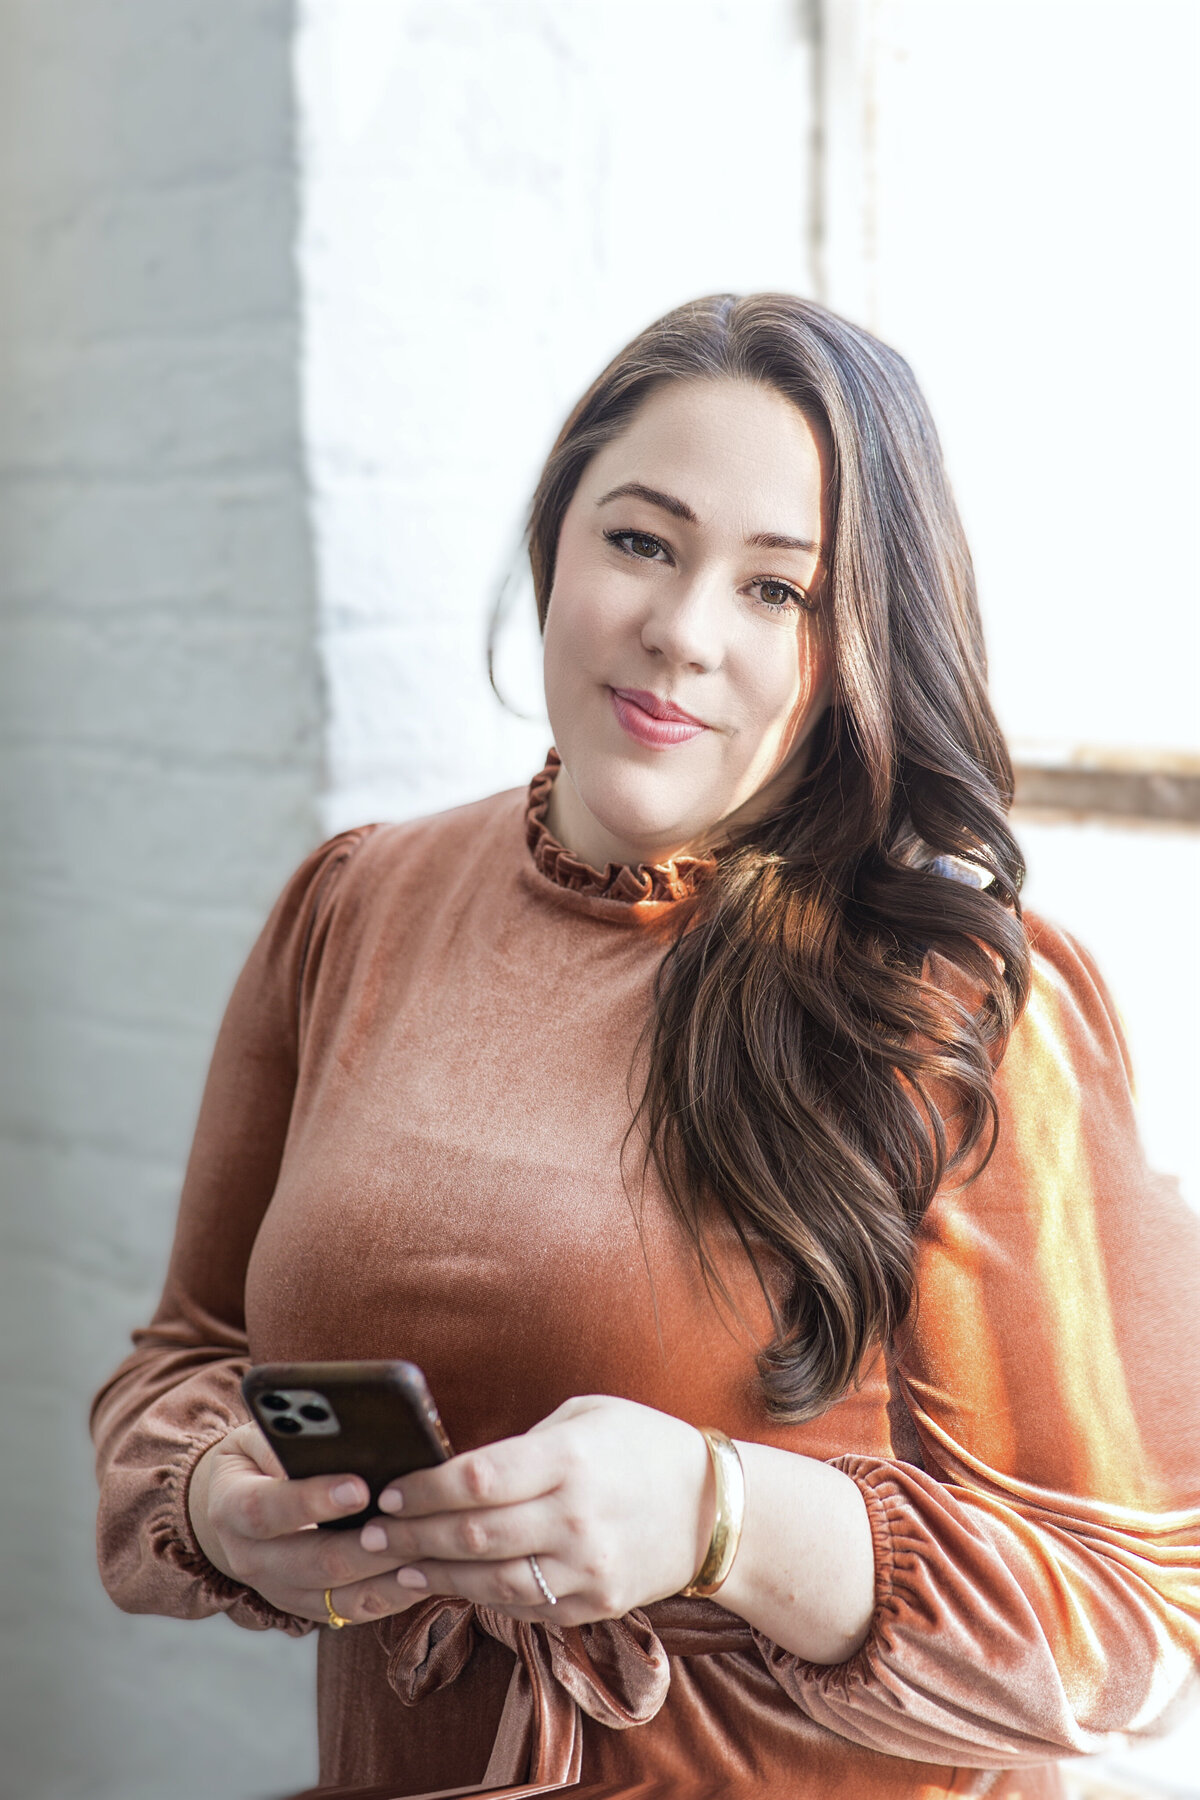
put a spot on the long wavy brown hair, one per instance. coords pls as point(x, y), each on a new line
point(808, 1077)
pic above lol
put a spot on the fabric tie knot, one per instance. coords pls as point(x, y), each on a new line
point(615, 1670)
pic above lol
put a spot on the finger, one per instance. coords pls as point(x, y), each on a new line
point(510, 1585)
point(493, 1534)
point(253, 1440)
point(500, 1474)
point(330, 1559)
point(362, 1601)
point(259, 1505)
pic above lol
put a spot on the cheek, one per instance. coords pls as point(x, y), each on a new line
point(583, 623)
point(561, 646)
point(802, 690)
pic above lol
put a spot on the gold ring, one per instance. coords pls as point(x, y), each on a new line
point(335, 1618)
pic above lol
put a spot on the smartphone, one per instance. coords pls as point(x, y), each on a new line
point(373, 1419)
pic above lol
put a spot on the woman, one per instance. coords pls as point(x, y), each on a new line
point(715, 1080)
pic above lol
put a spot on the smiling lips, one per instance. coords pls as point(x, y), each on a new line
point(653, 721)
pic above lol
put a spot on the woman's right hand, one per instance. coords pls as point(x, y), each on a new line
point(258, 1527)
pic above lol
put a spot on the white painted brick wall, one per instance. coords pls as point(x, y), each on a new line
point(160, 766)
point(495, 198)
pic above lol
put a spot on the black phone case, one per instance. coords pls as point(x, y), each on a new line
point(379, 1422)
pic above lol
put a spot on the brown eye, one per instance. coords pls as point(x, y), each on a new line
point(781, 596)
point(637, 537)
point(788, 596)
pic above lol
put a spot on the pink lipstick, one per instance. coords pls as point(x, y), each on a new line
point(653, 721)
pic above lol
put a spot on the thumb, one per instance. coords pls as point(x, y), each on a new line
point(251, 1443)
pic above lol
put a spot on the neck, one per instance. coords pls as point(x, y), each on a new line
point(575, 828)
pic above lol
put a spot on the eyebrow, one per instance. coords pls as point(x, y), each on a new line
point(764, 540)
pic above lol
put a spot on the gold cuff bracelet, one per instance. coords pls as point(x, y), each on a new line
point(731, 1511)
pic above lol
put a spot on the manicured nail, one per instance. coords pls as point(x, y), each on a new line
point(411, 1578)
point(391, 1501)
point(374, 1537)
point(348, 1493)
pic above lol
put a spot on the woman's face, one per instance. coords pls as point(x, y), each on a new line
point(687, 572)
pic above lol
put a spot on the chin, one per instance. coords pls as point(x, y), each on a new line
point(644, 806)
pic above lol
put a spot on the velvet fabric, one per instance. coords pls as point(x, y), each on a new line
point(409, 1146)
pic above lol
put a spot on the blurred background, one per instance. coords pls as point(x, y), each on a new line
point(294, 296)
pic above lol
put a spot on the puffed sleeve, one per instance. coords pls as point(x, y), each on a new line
point(1038, 1579)
point(179, 1391)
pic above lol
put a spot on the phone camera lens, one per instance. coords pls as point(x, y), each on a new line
point(291, 1426)
point(315, 1413)
point(274, 1402)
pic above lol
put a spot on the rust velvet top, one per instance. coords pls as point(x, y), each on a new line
point(408, 1147)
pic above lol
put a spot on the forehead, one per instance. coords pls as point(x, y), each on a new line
point(724, 446)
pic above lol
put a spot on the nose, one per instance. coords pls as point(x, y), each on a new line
point(684, 622)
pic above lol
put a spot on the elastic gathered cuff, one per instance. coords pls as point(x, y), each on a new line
point(797, 1672)
point(175, 1542)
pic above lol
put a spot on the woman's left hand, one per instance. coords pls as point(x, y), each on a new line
point(614, 1499)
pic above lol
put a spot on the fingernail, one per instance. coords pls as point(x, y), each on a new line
point(374, 1537)
point(391, 1501)
point(347, 1493)
point(412, 1578)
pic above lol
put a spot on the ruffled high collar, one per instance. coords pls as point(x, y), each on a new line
point(633, 883)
